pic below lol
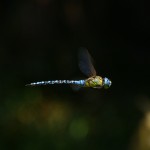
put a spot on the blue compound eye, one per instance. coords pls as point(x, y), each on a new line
point(107, 83)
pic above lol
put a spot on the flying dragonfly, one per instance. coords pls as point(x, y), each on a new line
point(87, 68)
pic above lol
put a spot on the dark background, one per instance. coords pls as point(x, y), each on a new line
point(39, 40)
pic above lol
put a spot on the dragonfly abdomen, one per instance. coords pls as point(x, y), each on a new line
point(73, 82)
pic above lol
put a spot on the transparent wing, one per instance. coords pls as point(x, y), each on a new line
point(85, 63)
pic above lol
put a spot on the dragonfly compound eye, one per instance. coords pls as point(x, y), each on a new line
point(107, 83)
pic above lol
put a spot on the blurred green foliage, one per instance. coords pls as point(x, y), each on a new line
point(40, 41)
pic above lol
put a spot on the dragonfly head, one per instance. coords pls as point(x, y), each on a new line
point(107, 83)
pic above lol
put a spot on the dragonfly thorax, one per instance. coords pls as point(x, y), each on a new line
point(94, 82)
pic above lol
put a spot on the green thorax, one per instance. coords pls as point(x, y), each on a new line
point(94, 82)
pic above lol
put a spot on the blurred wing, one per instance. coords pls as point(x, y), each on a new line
point(85, 63)
point(75, 87)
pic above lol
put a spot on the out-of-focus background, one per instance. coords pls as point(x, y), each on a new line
point(40, 40)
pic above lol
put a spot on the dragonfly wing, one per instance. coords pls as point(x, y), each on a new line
point(75, 87)
point(85, 63)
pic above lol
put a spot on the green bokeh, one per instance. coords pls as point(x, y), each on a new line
point(39, 40)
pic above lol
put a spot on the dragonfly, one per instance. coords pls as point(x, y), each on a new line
point(86, 66)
